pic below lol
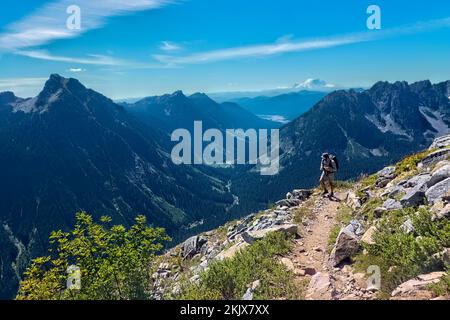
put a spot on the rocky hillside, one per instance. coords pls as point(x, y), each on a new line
point(367, 130)
point(384, 237)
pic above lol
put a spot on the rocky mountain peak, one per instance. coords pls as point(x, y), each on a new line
point(57, 83)
point(201, 97)
point(7, 97)
point(422, 85)
point(204, 101)
point(178, 95)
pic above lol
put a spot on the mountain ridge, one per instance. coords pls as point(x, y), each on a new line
point(69, 143)
point(366, 130)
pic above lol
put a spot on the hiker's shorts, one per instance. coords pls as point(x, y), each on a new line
point(327, 177)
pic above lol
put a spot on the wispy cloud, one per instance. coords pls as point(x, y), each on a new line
point(76, 70)
point(49, 22)
point(255, 51)
point(21, 85)
point(287, 45)
point(94, 59)
point(169, 46)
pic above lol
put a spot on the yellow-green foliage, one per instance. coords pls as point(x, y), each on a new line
point(368, 182)
point(367, 211)
point(442, 288)
point(410, 163)
point(114, 262)
point(343, 185)
point(402, 256)
point(229, 279)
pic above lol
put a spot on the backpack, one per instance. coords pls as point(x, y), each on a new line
point(336, 162)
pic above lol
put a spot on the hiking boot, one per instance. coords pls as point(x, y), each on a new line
point(325, 193)
point(331, 195)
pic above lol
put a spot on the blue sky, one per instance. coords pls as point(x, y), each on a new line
point(135, 48)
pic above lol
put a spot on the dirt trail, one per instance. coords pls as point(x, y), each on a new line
point(310, 257)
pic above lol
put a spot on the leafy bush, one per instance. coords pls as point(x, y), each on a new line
point(367, 182)
point(442, 288)
point(368, 209)
point(114, 262)
point(410, 163)
point(402, 256)
point(229, 279)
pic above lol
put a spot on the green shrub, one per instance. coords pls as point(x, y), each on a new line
point(402, 256)
point(114, 262)
point(367, 211)
point(442, 288)
point(410, 163)
point(368, 182)
point(229, 279)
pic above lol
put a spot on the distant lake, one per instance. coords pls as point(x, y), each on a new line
point(274, 118)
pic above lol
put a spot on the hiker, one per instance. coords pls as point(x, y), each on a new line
point(328, 166)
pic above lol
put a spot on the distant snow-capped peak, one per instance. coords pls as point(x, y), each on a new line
point(314, 84)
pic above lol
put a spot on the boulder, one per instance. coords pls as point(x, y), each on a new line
point(319, 287)
point(434, 158)
point(392, 204)
point(240, 227)
point(439, 175)
point(392, 191)
point(247, 238)
point(418, 181)
point(438, 191)
point(192, 246)
point(417, 288)
point(248, 295)
point(414, 197)
point(251, 290)
point(386, 172)
point(385, 176)
point(368, 236)
point(353, 201)
point(288, 264)
point(407, 226)
point(347, 245)
point(232, 251)
point(441, 142)
point(288, 203)
point(302, 194)
point(286, 228)
point(440, 210)
point(356, 227)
